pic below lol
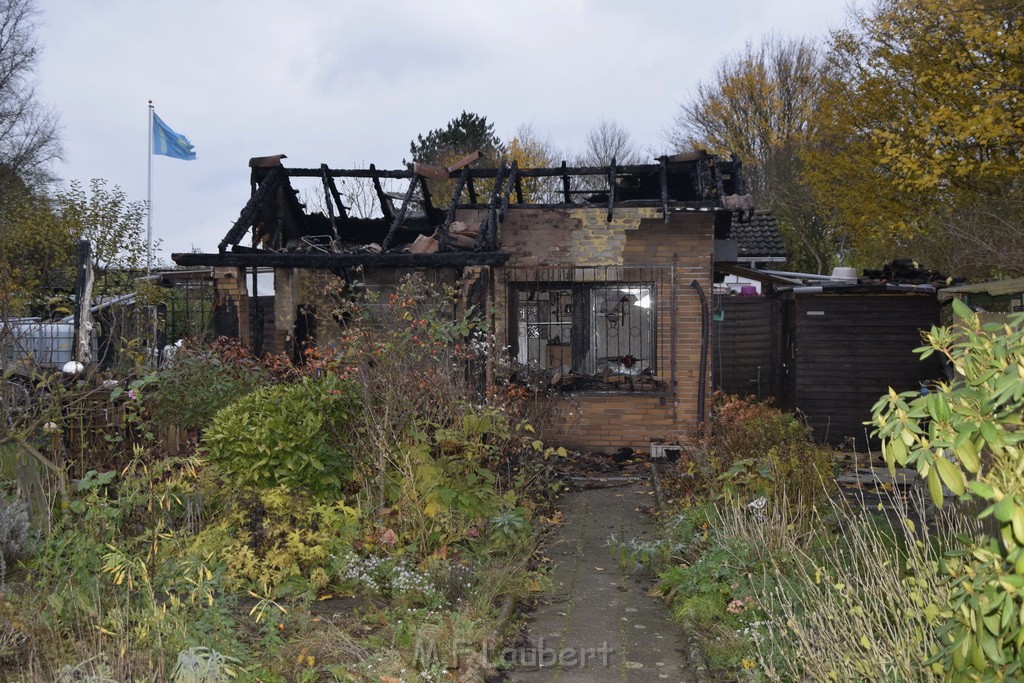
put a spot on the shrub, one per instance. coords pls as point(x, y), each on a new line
point(297, 435)
point(278, 542)
point(750, 449)
point(967, 435)
point(199, 383)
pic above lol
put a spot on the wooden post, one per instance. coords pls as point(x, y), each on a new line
point(83, 304)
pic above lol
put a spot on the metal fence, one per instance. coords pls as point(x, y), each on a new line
point(139, 329)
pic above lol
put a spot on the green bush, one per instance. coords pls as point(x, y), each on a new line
point(750, 449)
point(967, 435)
point(192, 389)
point(297, 435)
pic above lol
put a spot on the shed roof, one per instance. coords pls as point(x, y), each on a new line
point(992, 288)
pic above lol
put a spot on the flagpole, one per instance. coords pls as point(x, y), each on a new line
point(149, 195)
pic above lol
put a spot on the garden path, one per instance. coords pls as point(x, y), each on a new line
point(595, 622)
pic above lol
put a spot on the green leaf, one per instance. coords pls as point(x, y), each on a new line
point(1004, 509)
point(982, 489)
point(951, 475)
point(934, 486)
point(895, 449)
point(962, 310)
point(968, 455)
point(989, 432)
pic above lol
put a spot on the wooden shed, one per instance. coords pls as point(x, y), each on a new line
point(843, 346)
point(746, 345)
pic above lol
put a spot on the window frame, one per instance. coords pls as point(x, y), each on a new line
point(584, 342)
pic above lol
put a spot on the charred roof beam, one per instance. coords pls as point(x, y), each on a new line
point(401, 213)
point(247, 216)
point(486, 237)
point(449, 217)
point(329, 201)
point(385, 203)
point(611, 190)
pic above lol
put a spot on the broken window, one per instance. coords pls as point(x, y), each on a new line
point(602, 329)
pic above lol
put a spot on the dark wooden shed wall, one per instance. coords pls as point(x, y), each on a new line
point(745, 343)
point(843, 351)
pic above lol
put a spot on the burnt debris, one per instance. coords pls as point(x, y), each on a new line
point(409, 229)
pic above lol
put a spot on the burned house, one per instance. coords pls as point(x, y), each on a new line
point(596, 279)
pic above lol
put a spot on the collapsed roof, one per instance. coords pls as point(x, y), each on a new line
point(408, 230)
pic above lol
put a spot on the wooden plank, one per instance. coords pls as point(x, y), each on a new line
point(464, 161)
point(428, 171)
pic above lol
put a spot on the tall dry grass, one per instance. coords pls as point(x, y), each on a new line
point(857, 592)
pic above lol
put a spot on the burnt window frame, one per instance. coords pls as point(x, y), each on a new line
point(580, 322)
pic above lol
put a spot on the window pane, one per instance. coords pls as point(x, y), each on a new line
point(614, 319)
point(544, 333)
point(622, 338)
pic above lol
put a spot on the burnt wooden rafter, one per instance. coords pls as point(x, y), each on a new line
point(248, 214)
point(513, 178)
point(453, 206)
point(566, 188)
point(611, 190)
point(488, 231)
point(563, 171)
point(277, 234)
point(428, 205)
point(332, 187)
point(663, 173)
point(401, 213)
point(252, 258)
point(329, 200)
point(385, 203)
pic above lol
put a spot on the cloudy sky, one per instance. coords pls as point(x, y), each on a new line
point(348, 83)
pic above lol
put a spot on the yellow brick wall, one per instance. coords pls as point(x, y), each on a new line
point(231, 302)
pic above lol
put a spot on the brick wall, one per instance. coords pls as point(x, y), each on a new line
point(578, 237)
point(231, 304)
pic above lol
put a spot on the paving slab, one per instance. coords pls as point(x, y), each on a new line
point(596, 621)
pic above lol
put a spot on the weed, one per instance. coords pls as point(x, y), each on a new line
point(14, 526)
point(203, 665)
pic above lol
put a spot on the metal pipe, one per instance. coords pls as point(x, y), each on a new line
point(799, 276)
point(704, 332)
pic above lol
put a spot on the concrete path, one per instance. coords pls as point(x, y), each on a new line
point(596, 622)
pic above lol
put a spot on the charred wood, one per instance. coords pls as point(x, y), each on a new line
point(249, 259)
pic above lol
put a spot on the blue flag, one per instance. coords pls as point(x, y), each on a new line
point(169, 143)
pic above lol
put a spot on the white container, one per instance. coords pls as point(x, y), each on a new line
point(844, 274)
point(33, 343)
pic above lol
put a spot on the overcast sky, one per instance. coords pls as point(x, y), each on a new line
point(350, 83)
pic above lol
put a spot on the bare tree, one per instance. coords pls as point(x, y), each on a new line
point(29, 130)
point(607, 141)
point(759, 102)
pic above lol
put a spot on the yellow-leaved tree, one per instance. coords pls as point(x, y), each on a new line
point(529, 150)
point(922, 126)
